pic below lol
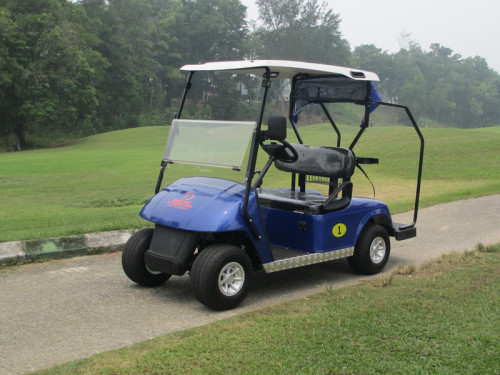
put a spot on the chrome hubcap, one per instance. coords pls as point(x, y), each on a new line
point(231, 279)
point(377, 250)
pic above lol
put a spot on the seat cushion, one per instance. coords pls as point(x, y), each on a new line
point(307, 202)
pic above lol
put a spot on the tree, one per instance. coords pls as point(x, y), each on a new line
point(369, 57)
point(166, 44)
point(213, 30)
point(303, 30)
point(299, 30)
point(47, 84)
point(145, 43)
point(122, 28)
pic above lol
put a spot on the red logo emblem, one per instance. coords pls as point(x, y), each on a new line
point(183, 203)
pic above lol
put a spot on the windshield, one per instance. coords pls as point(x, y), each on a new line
point(211, 143)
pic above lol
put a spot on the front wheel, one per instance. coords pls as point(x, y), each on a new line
point(220, 276)
point(133, 262)
point(372, 250)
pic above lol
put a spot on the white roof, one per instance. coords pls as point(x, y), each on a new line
point(283, 67)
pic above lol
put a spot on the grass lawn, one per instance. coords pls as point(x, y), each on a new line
point(100, 183)
point(441, 318)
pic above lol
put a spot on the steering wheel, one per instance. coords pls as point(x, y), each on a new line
point(283, 152)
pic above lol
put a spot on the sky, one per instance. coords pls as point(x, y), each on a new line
point(469, 28)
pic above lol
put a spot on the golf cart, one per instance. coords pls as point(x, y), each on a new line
point(220, 230)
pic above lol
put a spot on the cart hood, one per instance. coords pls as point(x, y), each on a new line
point(199, 204)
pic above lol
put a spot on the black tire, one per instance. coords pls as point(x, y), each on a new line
point(220, 276)
point(133, 262)
point(372, 250)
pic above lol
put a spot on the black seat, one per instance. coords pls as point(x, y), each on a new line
point(327, 162)
point(332, 162)
point(304, 202)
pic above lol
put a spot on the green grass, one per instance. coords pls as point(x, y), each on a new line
point(441, 318)
point(100, 183)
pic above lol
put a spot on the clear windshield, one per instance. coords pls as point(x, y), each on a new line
point(211, 143)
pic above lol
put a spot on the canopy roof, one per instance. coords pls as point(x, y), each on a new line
point(283, 67)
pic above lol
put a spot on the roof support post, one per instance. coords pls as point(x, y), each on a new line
point(252, 159)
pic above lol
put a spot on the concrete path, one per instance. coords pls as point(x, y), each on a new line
point(64, 310)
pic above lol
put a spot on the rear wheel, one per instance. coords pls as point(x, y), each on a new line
point(372, 250)
point(133, 262)
point(220, 276)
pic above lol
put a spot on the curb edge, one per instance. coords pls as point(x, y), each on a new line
point(57, 247)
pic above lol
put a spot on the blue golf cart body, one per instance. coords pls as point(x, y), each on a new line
point(220, 230)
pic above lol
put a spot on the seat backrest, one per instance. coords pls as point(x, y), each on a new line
point(332, 162)
point(276, 128)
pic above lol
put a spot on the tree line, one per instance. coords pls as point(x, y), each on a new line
point(74, 68)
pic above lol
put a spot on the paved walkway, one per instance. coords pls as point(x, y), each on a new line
point(64, 310)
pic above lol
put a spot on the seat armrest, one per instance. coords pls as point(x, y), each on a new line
point(345, 187)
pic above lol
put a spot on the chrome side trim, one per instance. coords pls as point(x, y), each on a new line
point(308, 259)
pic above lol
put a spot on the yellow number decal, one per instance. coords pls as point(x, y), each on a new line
point(339, 230)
